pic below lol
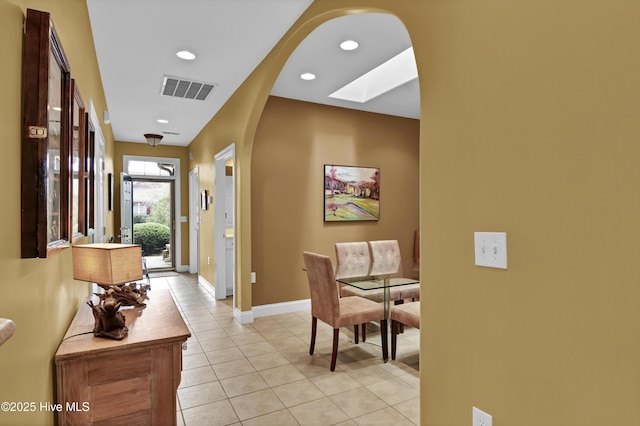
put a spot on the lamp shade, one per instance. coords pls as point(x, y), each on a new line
point(107, 264)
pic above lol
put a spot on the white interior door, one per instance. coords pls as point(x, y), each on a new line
point(228, 229)
point(126, 209)
point(100, 224)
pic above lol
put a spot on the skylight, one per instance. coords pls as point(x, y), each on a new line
point(395, 72)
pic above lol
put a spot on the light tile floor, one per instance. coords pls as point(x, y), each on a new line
point(262, 373)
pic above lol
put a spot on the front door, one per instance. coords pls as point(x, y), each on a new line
point(126, 209)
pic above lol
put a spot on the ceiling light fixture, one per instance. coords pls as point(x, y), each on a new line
point(307, 76)
point(152, 139)
point(186, 55)
point(349, 45)
point(162, 121)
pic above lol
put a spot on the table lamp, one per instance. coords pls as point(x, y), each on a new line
point(112, 267)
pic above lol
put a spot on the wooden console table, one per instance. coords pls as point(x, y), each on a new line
point(128, 381)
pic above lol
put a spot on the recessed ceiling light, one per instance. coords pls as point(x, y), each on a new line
point(186, 55)
point(349, 45)
point(307, 76)
point(162, 121)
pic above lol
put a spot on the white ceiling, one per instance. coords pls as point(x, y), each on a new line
point(136, 42)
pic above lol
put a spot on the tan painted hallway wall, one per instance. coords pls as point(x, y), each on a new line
point(40, 295)
point(293, 142)
point(528, 125)
point(166, 151)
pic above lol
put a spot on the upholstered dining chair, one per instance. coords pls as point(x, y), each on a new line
point(353, 259)
point(337, 311)
point(405, 314)
point(385, 258)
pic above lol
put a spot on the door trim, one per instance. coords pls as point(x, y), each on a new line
point(219, 194)
point(194, 221)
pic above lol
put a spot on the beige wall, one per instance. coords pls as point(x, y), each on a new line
point(40, 295)
point(527, 126)
point(166, 151)
point(293, 142)
point(222, 131)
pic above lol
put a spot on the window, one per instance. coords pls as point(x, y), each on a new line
point(150, 168)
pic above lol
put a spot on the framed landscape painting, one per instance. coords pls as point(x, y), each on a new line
point(351, 193)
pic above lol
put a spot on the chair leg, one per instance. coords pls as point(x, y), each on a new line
point(334, 353)
point(355, 333)
point(385, 341)
point(394, 337)
point(364, 332)
point(400, 325)
point(314, 325)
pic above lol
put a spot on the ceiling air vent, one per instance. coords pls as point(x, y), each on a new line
point(171, 133)
point(179, 87)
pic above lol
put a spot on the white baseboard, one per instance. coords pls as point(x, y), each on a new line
point(281, 308)
point(182, 268)
point(246, 317)
point(243, 317)
point(207, 285)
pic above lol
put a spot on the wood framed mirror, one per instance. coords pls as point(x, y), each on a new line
point(46, 135)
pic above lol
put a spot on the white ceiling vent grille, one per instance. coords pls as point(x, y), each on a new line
point(179, 87)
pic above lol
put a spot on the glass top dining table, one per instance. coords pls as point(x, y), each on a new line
point(383, 282)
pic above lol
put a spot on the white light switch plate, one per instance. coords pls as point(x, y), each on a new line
point(491, 249)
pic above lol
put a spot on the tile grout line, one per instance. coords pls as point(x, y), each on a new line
point(190, 300)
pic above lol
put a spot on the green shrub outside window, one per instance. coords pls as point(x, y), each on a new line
point(153, 237)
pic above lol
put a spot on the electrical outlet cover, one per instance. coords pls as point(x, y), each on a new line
point(480, 418)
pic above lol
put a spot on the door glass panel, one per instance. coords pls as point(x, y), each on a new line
point(126, 220)
point(153, 221)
